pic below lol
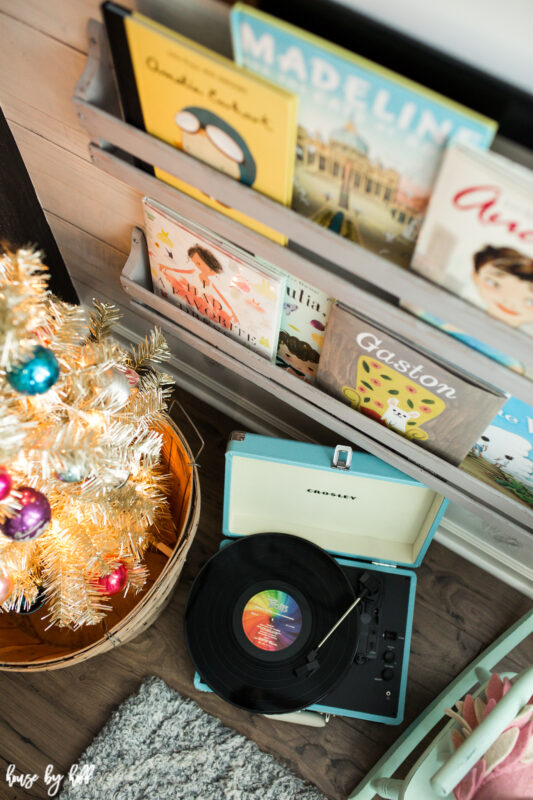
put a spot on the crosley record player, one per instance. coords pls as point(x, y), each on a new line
point(376, 521)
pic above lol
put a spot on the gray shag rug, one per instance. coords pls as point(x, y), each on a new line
point(161, 746)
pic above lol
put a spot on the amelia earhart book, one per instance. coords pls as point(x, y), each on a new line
point(213, 280)
point(203, 103)
point(369, 141)
point(303, 326)
point(477, 238)
point(404, 388)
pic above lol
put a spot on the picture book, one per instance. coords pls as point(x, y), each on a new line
point(404, 388)
point(471, 341)
point(369, 141)
point(477, 237)
point(503, 454)
point(219, 284)
point(303, 324)
point(203, 103)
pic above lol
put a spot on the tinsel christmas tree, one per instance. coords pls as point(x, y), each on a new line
point(81, 489)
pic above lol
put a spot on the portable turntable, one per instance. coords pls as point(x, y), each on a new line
point(253, 601)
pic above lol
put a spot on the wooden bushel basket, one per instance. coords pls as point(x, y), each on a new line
point(26, 645)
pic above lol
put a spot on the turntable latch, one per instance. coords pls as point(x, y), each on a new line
point(342, 457)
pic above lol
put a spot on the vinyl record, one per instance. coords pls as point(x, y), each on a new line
point(254, 613)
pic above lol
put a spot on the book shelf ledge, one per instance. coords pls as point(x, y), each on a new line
point(407, 456)
point(96, 103)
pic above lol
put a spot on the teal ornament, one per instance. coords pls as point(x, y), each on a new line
point(37, 374)
point(72, 474)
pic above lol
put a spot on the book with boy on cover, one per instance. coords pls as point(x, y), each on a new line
point(303, 325)
point(477, 237)
point(403, 387)
point(214, 280)
point(369, 140)
point(203, 103)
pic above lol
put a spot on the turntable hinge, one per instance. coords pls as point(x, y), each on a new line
point(384, 564)
point(342, 457)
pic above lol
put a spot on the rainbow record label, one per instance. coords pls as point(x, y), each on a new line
point(272, 620)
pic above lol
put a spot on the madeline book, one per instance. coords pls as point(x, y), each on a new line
point(213, 280)
point(477, 237)
point(203, 103)
point(369, 141)
point(303, 325)
point(404, 388)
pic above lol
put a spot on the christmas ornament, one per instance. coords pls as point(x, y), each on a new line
point(75, 471)
point(132, 376)
point(114, 387)
point(6, 587)
point(32, 519)
point(37, 374)
point(30, 608)
point(115, 582)
point(5, 483)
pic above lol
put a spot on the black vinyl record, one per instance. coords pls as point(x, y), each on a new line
point(255, 612)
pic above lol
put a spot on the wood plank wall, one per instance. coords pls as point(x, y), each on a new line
point(43, 53)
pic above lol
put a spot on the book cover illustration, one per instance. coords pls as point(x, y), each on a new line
point(503, 454)
point(477, 237)
point(303, 325)
point(214, 283)
point(471, 341)
point(369, 141)
point(403, 388)
point(204, 104)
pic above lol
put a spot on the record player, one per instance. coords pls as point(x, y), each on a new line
point(374, 520)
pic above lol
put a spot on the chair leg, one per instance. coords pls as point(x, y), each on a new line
point(388, 788)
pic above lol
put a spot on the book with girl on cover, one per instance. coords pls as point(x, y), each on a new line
point(477, 237)
point(369, 140)
point(203, 103)
point(303, 326)
point(214, 280)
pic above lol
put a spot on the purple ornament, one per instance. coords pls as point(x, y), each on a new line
point(5, 483)
point(33, 517)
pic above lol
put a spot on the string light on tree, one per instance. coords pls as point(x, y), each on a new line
point(80, 480)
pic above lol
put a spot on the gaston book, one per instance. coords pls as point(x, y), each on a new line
point(204, 104)
point(503, 454)
point(402, 387)
point(369, 141)
point(303, 325)
point(477, 238)
point(218, 284)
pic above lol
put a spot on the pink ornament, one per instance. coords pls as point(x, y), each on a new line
point(6, 587)
point(115, 582)
point(5, 483)
point(132, 376)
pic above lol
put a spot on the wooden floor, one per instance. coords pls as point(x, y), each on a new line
point(50, 717)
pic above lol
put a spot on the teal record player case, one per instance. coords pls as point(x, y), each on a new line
point(371, 517)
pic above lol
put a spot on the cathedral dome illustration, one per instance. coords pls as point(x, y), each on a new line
point(348, 136)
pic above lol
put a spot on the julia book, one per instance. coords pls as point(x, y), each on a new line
point(386, 378)
point(477, 238)
point(213, 280)
point(369, 141)
point(303, 326)
point(202, 103)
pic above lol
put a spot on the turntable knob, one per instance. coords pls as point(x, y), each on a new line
point(387, 674)
point(388, 656)
point(365, 618)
